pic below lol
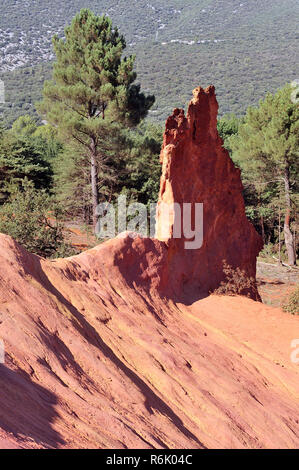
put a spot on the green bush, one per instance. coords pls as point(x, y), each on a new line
point(34, 220)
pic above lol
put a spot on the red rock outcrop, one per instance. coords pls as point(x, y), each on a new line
point(197, 169)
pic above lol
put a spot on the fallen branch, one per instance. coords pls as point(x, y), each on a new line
point(284, 264)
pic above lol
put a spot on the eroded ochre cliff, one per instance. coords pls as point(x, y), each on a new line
point(118, 347)
point(197, 169)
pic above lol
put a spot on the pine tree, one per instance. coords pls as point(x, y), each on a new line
point(140, 179)
point(227, 126)
point(134, 170)
point(92, 89)
point(266, 149)
point(24, 126)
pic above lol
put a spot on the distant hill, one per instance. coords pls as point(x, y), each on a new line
point(243, 47)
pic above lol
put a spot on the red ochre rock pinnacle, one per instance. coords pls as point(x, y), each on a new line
point(197, 169)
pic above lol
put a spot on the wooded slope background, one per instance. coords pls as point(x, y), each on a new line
point(244, 48)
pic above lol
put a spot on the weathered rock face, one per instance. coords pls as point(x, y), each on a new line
point(197, 169)
point(93, 360)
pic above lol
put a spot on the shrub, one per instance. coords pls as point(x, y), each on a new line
point(236, 282)
point(34, 220)
point(292, 304)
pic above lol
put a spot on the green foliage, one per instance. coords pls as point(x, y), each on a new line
point(267, 253)
point(23, 88)
point(21, 155)
point(248, 59)
point(92, 93)
point(266, 150)
point(33, 219)
point(94, 78)
point(24, 126)
point(132, 168)
point(72, 183)
point(72, 177)
point(292, 305)
point(46, 141)
point(227, 126)
point(268, 136)
point(141, 175)
point(92, 82)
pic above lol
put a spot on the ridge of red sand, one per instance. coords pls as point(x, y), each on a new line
point(96, 358)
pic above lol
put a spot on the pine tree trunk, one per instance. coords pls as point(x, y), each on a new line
point(263, 229)
point(279, 232)
point(94, 183)
point(288, 236)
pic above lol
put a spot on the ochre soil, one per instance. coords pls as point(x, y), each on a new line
point(93, 359)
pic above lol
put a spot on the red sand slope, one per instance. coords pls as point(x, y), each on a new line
point(96, 359)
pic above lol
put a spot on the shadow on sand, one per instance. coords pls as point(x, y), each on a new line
point(152, 400)
point(27, 410)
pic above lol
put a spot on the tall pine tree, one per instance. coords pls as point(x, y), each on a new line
point(92, 90)
point(266, 149)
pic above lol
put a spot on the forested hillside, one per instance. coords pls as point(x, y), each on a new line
point(244, 48)
point(97, 146)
